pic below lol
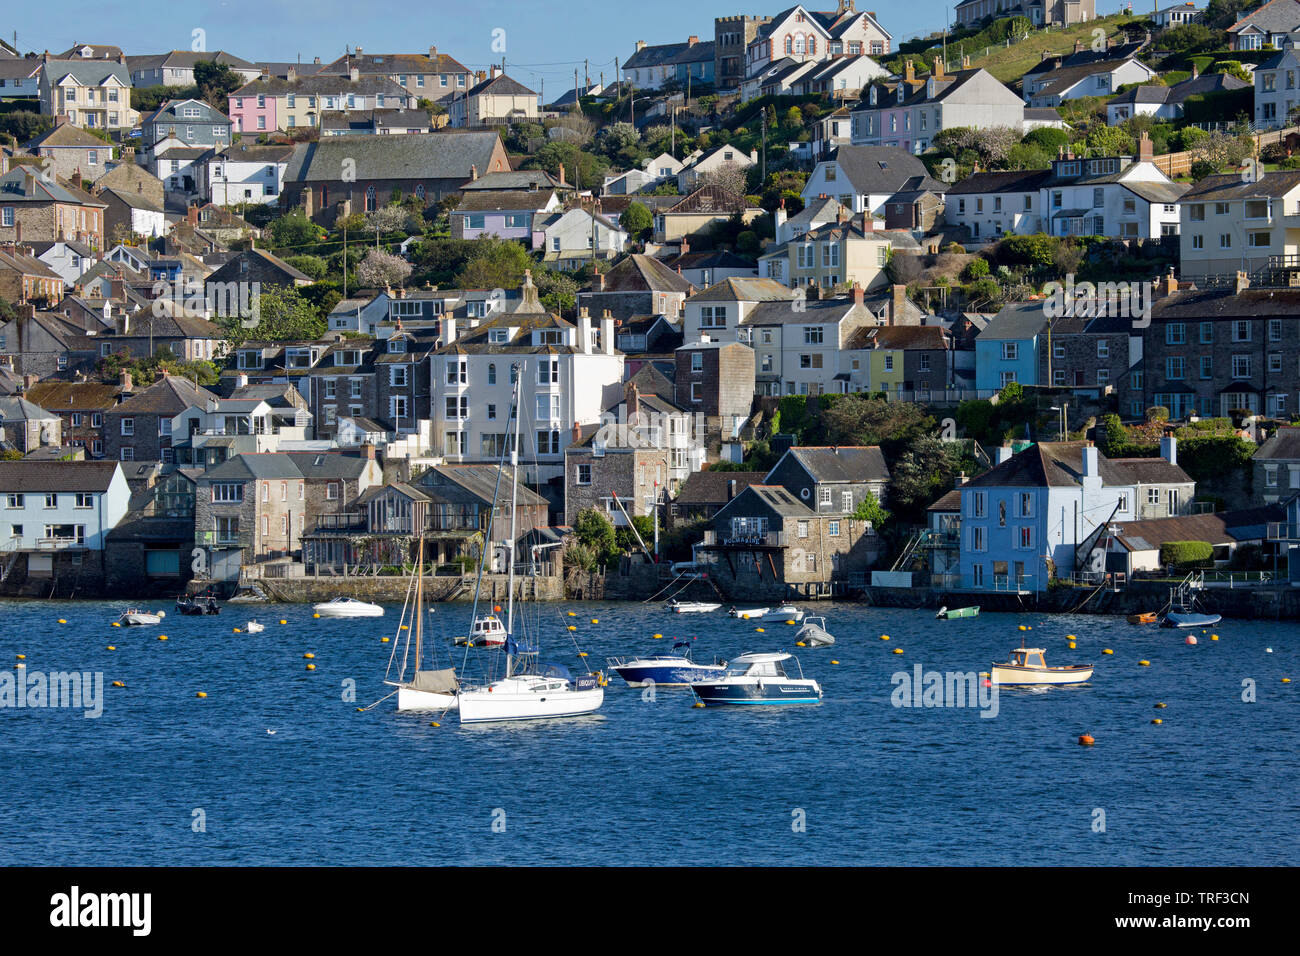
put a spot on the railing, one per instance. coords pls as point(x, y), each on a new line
point(769, 539)
point(1283, 531)
point(59, 544)
point(1237, 579)
point(340, 522)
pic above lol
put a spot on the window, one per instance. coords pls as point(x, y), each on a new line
point(713, 317)
point(1207, 366)
point(1010, 351)
point(1241, 366)
point(979, 504)
point(548, 372)
point(1174, 367)
point(697, 361)
point(548, 442)
point(397, 376)
point(227, 492)
point(583, 476)
point(1175, 333)
point(1207, 333)
point(14, 501)
point(803, 529)
point(697, 392)
point(978, 539)
point(128, 427)
point(84, 500)
point(812, 335)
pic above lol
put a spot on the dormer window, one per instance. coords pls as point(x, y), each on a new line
point(547, 337)
point(499, 336)
point(397, 345)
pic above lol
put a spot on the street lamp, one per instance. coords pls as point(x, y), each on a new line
point(1064, 409)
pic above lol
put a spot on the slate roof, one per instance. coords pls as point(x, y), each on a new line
point(710, 487)
point(480, 481)
point(839, 464)
point(744, 289)
point(75, 396)
point(329, 466)
point(1282, 445)
point(498, 200)
point(500, 85)
point(41, 476)
point(904, 337)
point(395, 63)
point(881, 169)
point(264, 466)
point(322, 84)
point(170, 395)
point(1060, 464)
point(1016, 181)
point(1016, 320)
point(814, 311)
point(1276, 16)
point(642, 273)
point(441, 155)
point(1197, 305)
point(67, 135)
point(1066, 77)
point(185, 60)
point(1230, 186)
point(88, 72)
point(21, 185)
point(516, 179)
point(1224, 527)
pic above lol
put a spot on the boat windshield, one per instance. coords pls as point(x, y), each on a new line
point(756, 669)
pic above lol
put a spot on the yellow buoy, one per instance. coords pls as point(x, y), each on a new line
point(237, 630)
point(162, 637)
point(284, 621)
point(384, 640)
point(834, 662)
point(1156, 720)
point(434, 723)
point(406, 627)
point(759, 629)
point(595, 621)
point(62, 621)
point(572, 628)
point(310, 656)
point(200, 694)
point(117, 623)
point(1069, 637)
point(1145, 663)
point(311, 667)
point(1286, 680)
point(1214, 637)
point(572, 614)
point(315, 615)
point(884, 637)
point(699, 703)
point(800, 644)
point(1161, 705)
point(1023, 628)
point(582, 653)
point(22, 657)
point(1072, 645)
point(118, 683)
point(111, 647)
point(898, 650)
point(1107, 651)
point(659, 637)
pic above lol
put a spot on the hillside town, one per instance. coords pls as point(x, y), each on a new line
point(793, 307)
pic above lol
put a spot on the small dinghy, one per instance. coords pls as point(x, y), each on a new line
point(1144, 617)
point(946, 614)
point(692, 607)
point(789, 613)
point(748, 614)
point(252, 627)
point(814, 633)
point(1190, 619)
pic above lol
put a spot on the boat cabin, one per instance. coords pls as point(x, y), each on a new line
point(1027, 657)
point(756, 668)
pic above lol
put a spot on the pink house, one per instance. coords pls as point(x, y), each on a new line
point(252, 113)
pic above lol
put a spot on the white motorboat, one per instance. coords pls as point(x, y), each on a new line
point(135, 618)
point(814, 633)
point(788, 613)
point(347, 607)
point(692, 607)
point(252, 627)
point(759, 679)
point(428, 688)
point(485, 632)
point(1027, 668)
point(748, 614)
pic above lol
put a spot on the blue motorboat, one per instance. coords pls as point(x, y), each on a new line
point(665, 670)
point(1190, 619)
point(759, 679)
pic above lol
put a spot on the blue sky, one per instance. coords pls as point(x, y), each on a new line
point(544, 40)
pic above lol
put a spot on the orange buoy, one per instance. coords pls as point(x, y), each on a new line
point(1190, 640)
point(1085, 740)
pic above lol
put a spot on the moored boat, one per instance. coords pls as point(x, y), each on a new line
point(748, 614)
point(486, 631)
point(1026, 667)
point(787, 612)
point(347, 607)
point(1190, 619)
point(665, 670)
point(759, 679)
point(428, 688)
point(135, 618)
point(814, 633)
point(950, 614)
point(252, 627)
point(692, 607)
point(1143, 617)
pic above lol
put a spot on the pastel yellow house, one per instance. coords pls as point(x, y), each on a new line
point(94, 94)
point(831, 256)
point(697, 213)
point(494, 101)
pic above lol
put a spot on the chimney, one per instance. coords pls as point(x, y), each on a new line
point(291, 75)
point(28, 381)
point(241, 380)
point(633, 399)
point(691, 41)
point(778, 219)
point(1078, 45)
point(562, 182)
point(116, 287)
point(76, 177)
point(686, 247)
point(1169, 449)
point(1146, 151)
point(448, 330)
point(607, 333)
point(600, 282)
point(433, 53)
point(1243, 282)
point(124, 382)
point(959, 480)
point(938, 69)
point(473, 173)
point(1003, 453)
point(577, 433)
point(354, 75)
point(731, 488)
point(368, 450)
point(858, 294)
point(192, 215)
point(358, 51)
point(584, 330)
point(640, 45)
point(868, 221)
point(897, 302)
point(1196, 70)
point(753, 156)
point(909, 72)
point(1090, 467)
point(1170, 285)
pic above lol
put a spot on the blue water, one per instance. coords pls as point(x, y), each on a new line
point(649, 782)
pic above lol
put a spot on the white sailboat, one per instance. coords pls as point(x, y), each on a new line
point(428, 689)
point(528, 691)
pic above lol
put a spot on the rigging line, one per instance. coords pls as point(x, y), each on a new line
point(664, 588)
point(393, 654)
point(378, 702)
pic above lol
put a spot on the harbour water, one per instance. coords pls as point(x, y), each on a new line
point(166, 777)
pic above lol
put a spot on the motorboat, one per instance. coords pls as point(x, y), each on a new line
point(748, 614)
point(788, 613)
point(485, 632)
point(759, 679)
point(135, 618)
point(1027, 668)
point(252, 627)
point(949, 614)
point(197, 606)
point(692, 607)
point(814, 633)
point(551, 692)
point(347, 607)
point(1190, 619)
point(664, 670)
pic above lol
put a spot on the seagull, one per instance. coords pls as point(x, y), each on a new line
point(270, 731)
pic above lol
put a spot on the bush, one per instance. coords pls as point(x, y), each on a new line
point(975, 269)
point(1187, 555)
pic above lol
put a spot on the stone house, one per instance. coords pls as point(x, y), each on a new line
point(248, 510)
point(25, 426)
point(81, 406)
point(639, 285)
point(139, 429)
point(35, 209)
point(716, 380)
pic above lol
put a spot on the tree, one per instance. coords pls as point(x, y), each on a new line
point(283, 315)
point(311, 266)
point(294, 231)
point(216, 82)
point(495, 264)
point(382, 270)
point(387, 219)
point(730, 176)
point(1110, 141)
point(556, 290)
point(863, 420)
point(636, 219)
point(595, 532)
point(869, 509)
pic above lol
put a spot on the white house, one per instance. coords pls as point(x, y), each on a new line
point(1276, 88)
point(1177, 15)
point(247, 173)
point(71, 260)
point(576, 237)
point(722, 157)
point(1102, 78)
point(54, 506)
point(862, 178)
point(570, 374)
point(654, 171)
point(717, 313)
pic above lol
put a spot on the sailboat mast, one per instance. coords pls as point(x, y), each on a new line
point(419, 604)
point(514, 501)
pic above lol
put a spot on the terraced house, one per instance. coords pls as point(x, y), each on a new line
point(271, 103)
point(433, 76)
point(36, 209)
point(1228, 225)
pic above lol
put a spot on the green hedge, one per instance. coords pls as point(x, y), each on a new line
point(1186, 554)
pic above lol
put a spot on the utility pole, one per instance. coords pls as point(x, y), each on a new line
point(575, 89)
point(763, 178)
point(345, 258)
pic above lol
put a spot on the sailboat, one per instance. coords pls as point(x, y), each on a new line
point(428, 689)
point(528, 691)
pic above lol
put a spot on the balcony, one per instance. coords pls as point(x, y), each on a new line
point(60, 544)
point(745, 541)
point(340, 522)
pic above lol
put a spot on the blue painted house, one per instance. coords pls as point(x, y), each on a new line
point(1006, 350)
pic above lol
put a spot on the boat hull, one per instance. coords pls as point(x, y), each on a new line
point(1005, 675)
point(750, 615)
point(326, 610)
point(959, 612)
point(482, 706)
point(1146, 617)
point(140, 620)
point(767, 692)
point(699, 608)
point(410, 699)
point(1180, 619)
point(666, 675)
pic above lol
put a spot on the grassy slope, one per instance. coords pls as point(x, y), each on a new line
point(1010, 63)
